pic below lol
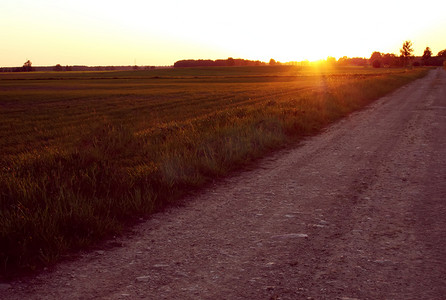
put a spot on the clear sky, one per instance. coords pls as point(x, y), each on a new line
point(97, 32)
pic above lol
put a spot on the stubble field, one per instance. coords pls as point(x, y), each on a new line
point(83, 154)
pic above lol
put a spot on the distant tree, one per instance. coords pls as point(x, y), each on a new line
point(272, 62)
point(442, 53)
point(406, 52)
point(375, 55)
point(57, 67)
point(427, 57)
point(27, 66)
point(427, 53)
point(230, 61)
point(376, 59)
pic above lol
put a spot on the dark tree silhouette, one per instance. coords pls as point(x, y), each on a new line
point(58, 68)
point(375, 55)
point(427, 55)
point(376, 59)
point(272, 62)
point(406, 51)
point(442, 53)
point(27, 66)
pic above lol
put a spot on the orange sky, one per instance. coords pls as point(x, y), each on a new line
point(50, 32)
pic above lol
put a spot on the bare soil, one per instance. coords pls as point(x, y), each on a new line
point(357, 212)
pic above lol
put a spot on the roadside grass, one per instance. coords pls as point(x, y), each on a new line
point(83, 156)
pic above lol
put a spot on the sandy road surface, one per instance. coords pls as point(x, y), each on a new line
point(358, 212)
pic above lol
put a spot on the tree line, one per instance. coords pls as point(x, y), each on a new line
point(187, 63)
point(27, 67)
point(378, 59)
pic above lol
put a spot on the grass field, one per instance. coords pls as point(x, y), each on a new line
point(84, 153)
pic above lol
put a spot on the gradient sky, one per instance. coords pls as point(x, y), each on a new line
point(97, 32)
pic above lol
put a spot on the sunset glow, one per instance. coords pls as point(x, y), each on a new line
point(50, 32)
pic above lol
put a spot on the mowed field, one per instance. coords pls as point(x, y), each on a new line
point(82, 154)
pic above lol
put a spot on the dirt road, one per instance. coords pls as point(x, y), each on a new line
point(358, 212)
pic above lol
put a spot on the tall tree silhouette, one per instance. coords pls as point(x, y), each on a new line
point(406, 51)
